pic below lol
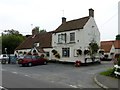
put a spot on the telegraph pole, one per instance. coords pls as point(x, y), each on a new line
point(119, 17)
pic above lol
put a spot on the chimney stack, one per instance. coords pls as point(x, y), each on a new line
point(91, 12)
point(35, 31)
point(63, 20)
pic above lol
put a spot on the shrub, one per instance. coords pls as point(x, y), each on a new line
point(119, 61)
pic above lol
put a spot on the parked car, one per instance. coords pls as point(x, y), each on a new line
point(4, 58)
point(31, 60)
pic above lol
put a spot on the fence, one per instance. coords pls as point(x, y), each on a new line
point(117, 70)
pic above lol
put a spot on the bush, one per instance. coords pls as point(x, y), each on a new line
point(119, 61)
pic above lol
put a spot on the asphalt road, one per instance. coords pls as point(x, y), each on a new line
point(14, 80)
point(53, 75)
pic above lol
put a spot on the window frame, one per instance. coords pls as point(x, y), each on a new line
point(67, 50)
point(62, 38)
point(72, 37)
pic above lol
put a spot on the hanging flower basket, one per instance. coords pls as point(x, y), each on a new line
point(56, 54)
point(54, 51)
point(29, 53)
point(42, 55)
point(101, 52)
point(79, 52)
point(86, 52)
point(25, 53)
point(20, 52)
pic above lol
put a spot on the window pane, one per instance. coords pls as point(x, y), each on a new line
point(65, 52)
point(61, 38)
point(72, 36)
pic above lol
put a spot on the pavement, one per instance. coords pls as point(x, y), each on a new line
point(106, 82)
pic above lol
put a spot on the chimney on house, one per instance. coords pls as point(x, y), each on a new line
point(63, 20)
point(91, 12)
point(35, 31)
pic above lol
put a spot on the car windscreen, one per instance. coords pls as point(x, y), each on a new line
point(35, 57)
point(28, 57)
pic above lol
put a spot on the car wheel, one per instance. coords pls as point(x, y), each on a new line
point(29, 64)
point(45, 63)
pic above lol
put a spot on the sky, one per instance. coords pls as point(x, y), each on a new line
point(23, 15)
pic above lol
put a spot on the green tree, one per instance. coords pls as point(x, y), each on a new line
point(0, 44)
point(37, 29)
point(118, 37)
point(12, 31)
point(11, 40)
point(93, 47)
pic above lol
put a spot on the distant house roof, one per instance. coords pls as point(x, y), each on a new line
point(117, 44)
point(44, 39)
point(72, 25)
point(107, 45)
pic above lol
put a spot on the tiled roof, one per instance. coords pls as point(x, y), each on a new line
point(43, 38)
point(106, 45)
point(72, 25)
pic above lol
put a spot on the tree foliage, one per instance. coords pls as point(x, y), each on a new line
point(11, 40)
point(10, 32)
point(37, 29)
point(118, 37)
point(93, 47)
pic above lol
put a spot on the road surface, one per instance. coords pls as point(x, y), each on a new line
point(53, 75)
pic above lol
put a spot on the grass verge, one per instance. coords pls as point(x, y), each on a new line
point(109, 72)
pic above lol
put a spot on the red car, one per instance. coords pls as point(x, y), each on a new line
point(31, 60)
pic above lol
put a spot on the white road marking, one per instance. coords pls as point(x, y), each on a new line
point(80, 86)
point(27, 75)
point(3, 88)
point(15, 72)
point(74, 86)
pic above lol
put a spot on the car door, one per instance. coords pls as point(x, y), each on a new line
point(38, 59)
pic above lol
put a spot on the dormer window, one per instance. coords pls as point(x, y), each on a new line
point(72, 37)
point(36, 44)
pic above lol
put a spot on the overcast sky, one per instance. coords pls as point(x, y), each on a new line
point(47, 14)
